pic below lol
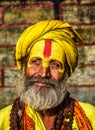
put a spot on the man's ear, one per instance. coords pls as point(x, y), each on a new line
point(24, 61)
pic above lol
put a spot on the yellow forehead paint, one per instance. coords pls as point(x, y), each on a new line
point(47, 50)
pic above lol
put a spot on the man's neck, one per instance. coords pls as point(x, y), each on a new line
point(48, 117)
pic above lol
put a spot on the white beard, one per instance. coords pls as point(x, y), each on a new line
point(43, 98)
point(43, 101)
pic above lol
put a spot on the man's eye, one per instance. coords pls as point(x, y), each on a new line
point(56, 65)
point(35, 62)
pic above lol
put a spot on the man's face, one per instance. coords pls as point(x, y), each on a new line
point(46, 60)
point(44, 76)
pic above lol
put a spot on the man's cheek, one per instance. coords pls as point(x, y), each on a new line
point(29, 72)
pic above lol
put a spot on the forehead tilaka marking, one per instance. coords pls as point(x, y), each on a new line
point(47, 48)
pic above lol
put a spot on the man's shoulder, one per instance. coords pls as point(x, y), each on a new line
point(5, 111)
point(5, 117)
point(89, 108)
point(8, 108)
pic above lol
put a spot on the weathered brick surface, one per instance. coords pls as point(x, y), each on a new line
point(0, 15)
point(87, 1)
point(87, 32)
point(69, 1)
point(6, 2)
point(83, 94)
point(0, 77)
point(7, 56)
point(7, 96)
point(83, 76)
point(10, 35)
point(11, 77)
point(79, 14)
point(86, 54)
point(15, 16)
point(26, 15)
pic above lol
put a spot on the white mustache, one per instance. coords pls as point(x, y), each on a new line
point(29, 82)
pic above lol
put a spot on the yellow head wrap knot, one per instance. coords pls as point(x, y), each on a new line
point(56, 30)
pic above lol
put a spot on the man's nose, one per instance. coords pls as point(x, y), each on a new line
point(45, 72)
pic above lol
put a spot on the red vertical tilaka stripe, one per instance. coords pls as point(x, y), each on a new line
point(47, 48)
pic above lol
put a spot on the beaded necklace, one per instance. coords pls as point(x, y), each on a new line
point(65, 113)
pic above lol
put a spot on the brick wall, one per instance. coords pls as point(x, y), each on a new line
point(16, 15)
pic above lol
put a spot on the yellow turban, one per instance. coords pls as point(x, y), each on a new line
point(49, 29)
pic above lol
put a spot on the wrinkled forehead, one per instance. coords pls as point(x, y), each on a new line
point(48, 49)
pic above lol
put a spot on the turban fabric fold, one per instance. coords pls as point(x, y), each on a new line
point(56, 30)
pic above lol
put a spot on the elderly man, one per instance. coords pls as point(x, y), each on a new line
point(47, 55)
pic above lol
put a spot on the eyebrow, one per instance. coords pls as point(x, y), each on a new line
point(35, 58)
